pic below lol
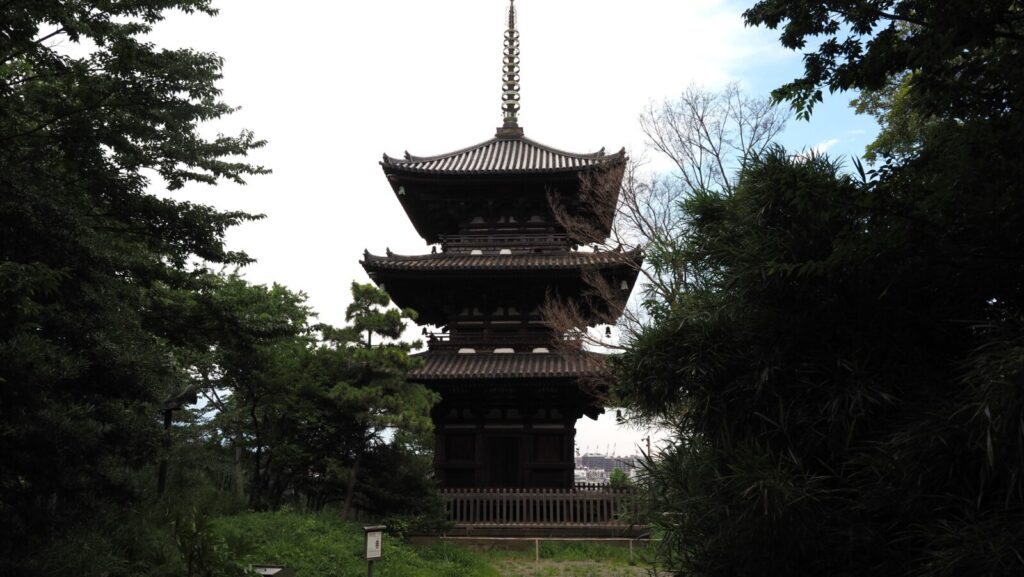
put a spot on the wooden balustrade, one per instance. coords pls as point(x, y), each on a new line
point(497, 240)
point(585, 504)
point(522, 341)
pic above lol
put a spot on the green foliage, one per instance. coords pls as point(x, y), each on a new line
point(706, 136)
point(312, 405)
point(618, 479)
point(368, 314)
point(357, 395)
point(169, 537)
point(205, 554)
point(842, 369)
point(297, 412)
point(109, 307)
point(902, 127)
point(397, 485)
point(115, 543)
point(90, 263)
point(323, 545)
point(571, 559)
point(964, 57)
point(839, 375)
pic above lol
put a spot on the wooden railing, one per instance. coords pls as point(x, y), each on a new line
point(585, 504)
point(510, 240)
point(521, 341)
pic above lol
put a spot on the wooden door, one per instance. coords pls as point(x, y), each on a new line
point(503, 461)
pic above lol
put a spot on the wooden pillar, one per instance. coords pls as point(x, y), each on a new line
point(480, 472)
point(440, 459)
point(570, 453)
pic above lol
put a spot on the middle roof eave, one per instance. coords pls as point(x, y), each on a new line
point(449, 366)
point(527, 261)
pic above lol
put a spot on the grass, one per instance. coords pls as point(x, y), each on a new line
point(569, 559)
point(324, 546)
point(568, 569)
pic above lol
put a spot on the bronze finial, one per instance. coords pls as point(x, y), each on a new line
point(510, 86)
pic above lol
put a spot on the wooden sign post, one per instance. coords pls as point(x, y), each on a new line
point(374, 542)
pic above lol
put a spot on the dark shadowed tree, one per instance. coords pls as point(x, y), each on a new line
point(843, 366)
point(309, 403)
point(89, 260)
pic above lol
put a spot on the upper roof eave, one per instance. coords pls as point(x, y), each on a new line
point(503, 156)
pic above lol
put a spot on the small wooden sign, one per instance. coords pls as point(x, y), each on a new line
point(374, 541)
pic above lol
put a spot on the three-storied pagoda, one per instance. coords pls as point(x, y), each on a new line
point(510, 400)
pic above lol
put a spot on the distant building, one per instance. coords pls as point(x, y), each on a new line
point(606, 463)
point(596, 468)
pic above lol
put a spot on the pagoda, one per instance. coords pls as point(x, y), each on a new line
point(510, 397)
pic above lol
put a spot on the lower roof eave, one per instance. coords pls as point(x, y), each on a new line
point(508, 378)
point(449, 367)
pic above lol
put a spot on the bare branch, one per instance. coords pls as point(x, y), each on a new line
point(708, 137)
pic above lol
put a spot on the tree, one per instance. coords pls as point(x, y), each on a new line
point(843, 372)
point(903, 127)
point(706, 136)
point(727, 366)
point(252, 342)
point(90, 262)
point(965, 57)
point(309, 403)
point(836, 410)
point(376, 379)
point(618, 479)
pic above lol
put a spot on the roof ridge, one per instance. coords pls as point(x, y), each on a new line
point(597, 154)
point(413, 158)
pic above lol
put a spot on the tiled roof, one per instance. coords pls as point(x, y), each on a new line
point(502, 155)
point(446, 366)
point(531, 261)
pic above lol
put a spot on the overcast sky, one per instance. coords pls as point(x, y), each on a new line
point(333, 85)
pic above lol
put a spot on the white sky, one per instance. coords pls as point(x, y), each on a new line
point(333, 85)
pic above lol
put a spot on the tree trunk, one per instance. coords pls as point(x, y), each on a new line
point(254, 495)
point(350, 490)
point(239, 487)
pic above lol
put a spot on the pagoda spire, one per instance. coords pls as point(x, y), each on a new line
point(510, 84)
